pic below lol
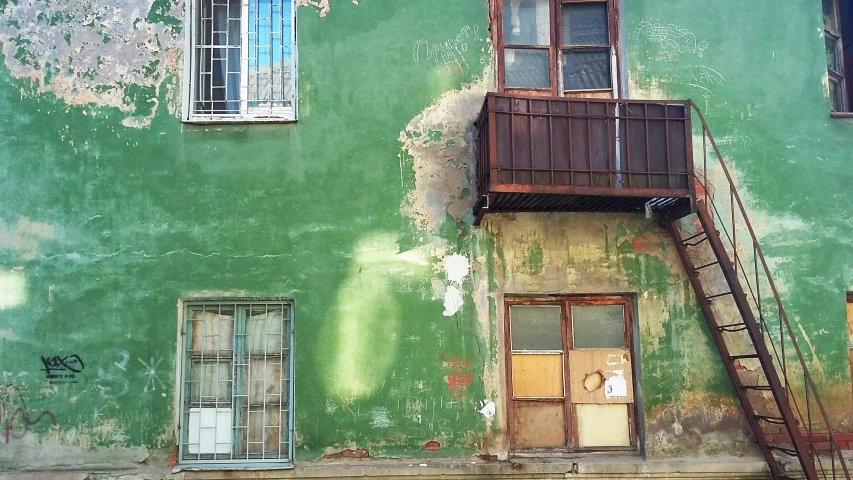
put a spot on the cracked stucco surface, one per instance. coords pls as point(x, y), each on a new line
point(107, 53)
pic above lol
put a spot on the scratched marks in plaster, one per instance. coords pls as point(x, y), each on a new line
point(107, 53)
point(450, 52)
point(673, 39)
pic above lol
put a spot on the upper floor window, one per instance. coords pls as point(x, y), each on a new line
point(838, 36)
point(558, 46)
point(241, 61)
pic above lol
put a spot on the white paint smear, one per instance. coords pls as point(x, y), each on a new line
point(488, 409)
point(452, 301)
point(456, 267)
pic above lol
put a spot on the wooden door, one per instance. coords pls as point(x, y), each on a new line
point(570, 377)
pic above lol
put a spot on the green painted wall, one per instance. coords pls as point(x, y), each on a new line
point(111, 210)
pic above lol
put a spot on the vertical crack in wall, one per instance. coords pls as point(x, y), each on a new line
point(107, 53)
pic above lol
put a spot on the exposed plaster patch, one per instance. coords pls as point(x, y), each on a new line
point(322, 6)
point(6, 334)
point(102, 52)
point(439, 144)
point(24, 237)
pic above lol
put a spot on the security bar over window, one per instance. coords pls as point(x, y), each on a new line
point(243, 62)
point(237, 382)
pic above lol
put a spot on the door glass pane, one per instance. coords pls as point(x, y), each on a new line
point(833, 56)
point(526, 22)
point(586, 69)
point(535, 327)
point(830, 18)
point(598, 326)
point(585, 24)
point(526, 68)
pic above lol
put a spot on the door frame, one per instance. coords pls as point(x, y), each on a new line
point(565, 302)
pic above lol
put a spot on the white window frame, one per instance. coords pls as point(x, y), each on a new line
point(265, 115)
point(182, 363)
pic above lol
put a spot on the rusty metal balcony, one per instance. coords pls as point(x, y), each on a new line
point(544, 154)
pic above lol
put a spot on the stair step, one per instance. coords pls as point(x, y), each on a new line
point(687, 241)
point(732, 327)
point(773, 420)
point(787, 451)
point(763, 388)
point(740, 357)
point(718, 295)
point(700, 267)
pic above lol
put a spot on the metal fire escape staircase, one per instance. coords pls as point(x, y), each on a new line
point(718, 247)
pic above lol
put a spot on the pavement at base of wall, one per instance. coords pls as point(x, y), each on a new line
point(587, 467)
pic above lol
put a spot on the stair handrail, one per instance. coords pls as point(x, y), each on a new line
point(835, 449)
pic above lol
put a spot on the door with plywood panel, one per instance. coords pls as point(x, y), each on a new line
point(569, 374)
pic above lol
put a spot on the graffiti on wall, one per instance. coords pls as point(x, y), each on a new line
point(15, 417)
point(459, 376)
point(450, 52)
point(114, 374)
point(673, 39)
point(62, 369)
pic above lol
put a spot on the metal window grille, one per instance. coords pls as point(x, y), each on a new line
point(237, 376)
point(243, 60)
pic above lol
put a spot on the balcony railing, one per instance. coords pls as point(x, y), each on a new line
point(595, 155)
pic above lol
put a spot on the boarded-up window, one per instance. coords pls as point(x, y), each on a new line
point(237, 381)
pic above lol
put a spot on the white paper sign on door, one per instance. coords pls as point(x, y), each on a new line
point(616, 386)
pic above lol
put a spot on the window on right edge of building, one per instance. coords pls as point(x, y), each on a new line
point(558, 47)
point(838, 36)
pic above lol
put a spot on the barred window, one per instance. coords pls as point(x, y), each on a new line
point(237, 376)
point(241, 61)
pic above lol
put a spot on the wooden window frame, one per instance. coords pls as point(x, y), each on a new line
point(833, 75)
point(555, 51)
point(566, 302)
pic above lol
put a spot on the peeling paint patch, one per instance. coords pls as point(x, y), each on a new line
point(108, 53)
point(6, 334)
point(24, 237)
point(323, 7)
point(442, 168)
